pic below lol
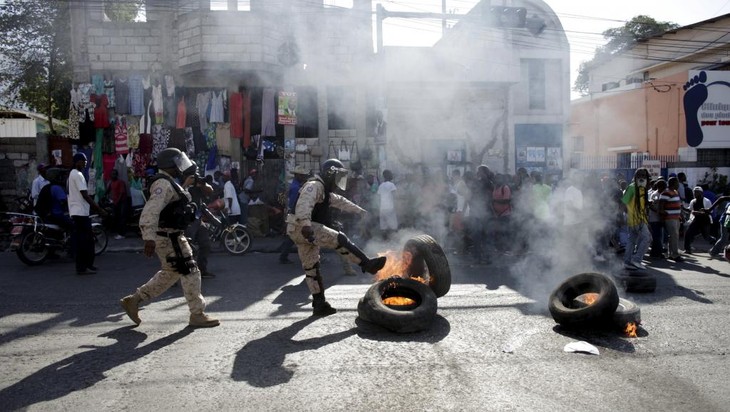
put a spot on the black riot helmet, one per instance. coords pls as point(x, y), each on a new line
point(172, 158)
point(334, 174)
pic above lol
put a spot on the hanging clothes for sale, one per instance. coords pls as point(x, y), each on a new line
point(74, 114)
point(120, 165)
point(236, 115)
point(101, 112)
point(121, 140)
point(121, 96)
point(201, 103)
point(136, 95)
point(212, 163)
point(210, 136)
point(268, 113)
point(223, 138)
point(177, 139)
point(157, 106)
point(181, 114)
point(87, 131)
point(216, 107)
point(170, 108)
point(189, 142)
point(132, 131)
point(108, 143)
point(98, 81)
point(246, 118)
point(145, 122)
point(160, 139)
point(145, 144)
point(140, 161)
point(110, 93)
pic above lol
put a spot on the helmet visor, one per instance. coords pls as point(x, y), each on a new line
point(341, 179)
point(185, 165)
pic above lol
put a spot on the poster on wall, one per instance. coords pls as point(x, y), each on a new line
point(287, 108)
point(521, 154)
point(554, 158)
point(707, 109)
point(535, 154)
point(654, 167)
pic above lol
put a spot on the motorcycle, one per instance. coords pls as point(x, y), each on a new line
point(234, 238)
point(34, 240)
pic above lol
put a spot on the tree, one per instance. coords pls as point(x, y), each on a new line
point(126, 10)
point(619, 39)
point(35, 56)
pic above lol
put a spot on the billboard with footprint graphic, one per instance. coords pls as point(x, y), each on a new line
point(707, 109)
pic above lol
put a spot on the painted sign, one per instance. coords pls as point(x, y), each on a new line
point(654, 167)
point(707, 109)
point(287, 108)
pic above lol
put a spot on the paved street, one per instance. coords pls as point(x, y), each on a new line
point(66, 345)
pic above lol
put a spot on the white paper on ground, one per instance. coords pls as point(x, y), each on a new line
point(582, 347)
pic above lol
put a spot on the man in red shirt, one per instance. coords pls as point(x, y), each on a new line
point(118, 195)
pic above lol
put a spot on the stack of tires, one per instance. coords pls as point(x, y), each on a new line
point(429, 261)
point(569, 310)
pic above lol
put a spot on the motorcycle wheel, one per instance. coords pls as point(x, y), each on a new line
point(236, 239)
point(32, 249)
point(101, 239)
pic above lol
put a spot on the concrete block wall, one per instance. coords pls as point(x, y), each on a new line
point(124, 46)
point(17, 167)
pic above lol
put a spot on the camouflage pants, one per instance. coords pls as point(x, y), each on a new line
point(324, 237)
point(168, 275)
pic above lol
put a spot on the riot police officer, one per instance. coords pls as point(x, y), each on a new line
point(310, 228)
point(165, 216)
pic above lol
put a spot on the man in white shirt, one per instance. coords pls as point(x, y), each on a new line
point(229, 196)
point(38, 183)
point(388, 217)
point(79, 206)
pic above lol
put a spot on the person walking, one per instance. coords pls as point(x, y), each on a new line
point(231, 199)
point(656, 220)
point(670, 209)
point(301, 174)
point(79, 208)
point(700, 219)
point(165, 216)
point(309, 228)
point(636, 200)
point(388, 216)
point(724, 226)
point(118, 196)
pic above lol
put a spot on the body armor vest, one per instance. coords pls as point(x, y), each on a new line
point(321, 212)
point(178, 214)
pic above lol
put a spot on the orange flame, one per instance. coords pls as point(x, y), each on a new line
point(590, 298)
point(630, 330)
point(398, 301)
point(396, 265)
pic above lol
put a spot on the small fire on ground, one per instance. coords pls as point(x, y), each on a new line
point(588, 298)
point(630, 330)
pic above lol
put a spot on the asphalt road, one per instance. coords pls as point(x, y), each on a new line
point(66, 345)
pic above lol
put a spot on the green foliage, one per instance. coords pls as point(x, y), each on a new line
point(619, 39)
point(122, 10)
point(35, 56)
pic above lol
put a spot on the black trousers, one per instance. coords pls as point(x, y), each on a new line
point(84, 245)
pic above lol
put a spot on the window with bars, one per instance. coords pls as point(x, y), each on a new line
point(713, 157)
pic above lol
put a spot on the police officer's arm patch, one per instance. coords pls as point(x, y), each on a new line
point(310, 189)
point(158, 191)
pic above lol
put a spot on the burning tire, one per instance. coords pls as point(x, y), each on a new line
point(416, 315)
point(428, 257)
point(626, 312)
point(637, 282)
point(562, 301)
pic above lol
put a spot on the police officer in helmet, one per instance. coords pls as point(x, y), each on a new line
point(165, 217)
point(310, 227)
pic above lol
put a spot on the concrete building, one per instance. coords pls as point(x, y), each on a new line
point(638, 104)
point(487, 92)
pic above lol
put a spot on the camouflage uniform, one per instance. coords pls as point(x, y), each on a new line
point(312, 193)
point(161, 194)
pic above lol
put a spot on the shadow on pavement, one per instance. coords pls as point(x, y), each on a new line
point(84, 369)
point(261, 362)
point(438, 331)
point(603, 337)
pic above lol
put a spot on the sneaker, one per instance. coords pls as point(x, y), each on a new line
point(201, 320)
point(677, 259)
point(118, 237)
point(629, 266)
point(638, 265)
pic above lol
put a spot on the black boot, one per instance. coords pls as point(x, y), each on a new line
point(368, 265)
point(321, 306)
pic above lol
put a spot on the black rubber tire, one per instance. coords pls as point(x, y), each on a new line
point(26, 241)
point(566, 313)
point(626, 312)
point(426, 251)
point(101, 239)
point(372, 309)
point(236, 240)
point(636, 281)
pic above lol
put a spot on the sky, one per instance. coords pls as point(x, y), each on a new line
point(583, 21)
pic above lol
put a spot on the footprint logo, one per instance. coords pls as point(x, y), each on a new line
point(695, 95)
